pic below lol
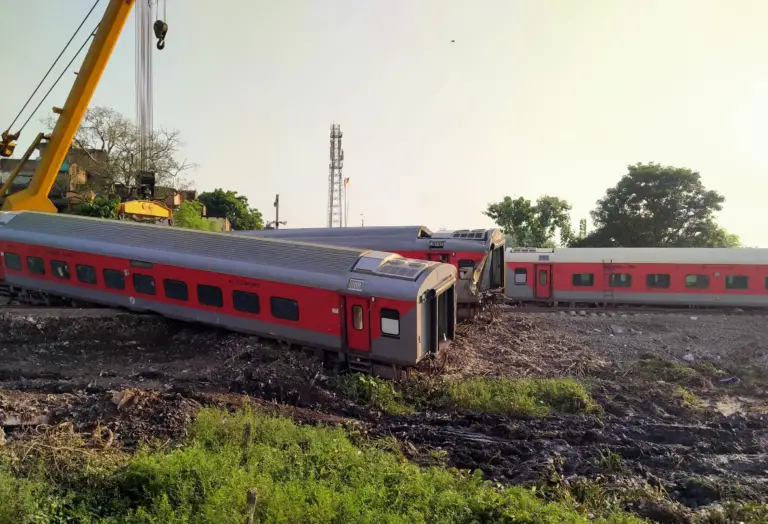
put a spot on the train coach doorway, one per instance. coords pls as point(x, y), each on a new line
point(543, 286)
point(358, 319)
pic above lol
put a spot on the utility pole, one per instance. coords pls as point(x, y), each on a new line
point(277, 223)
point(362, 220)
point(277, 211)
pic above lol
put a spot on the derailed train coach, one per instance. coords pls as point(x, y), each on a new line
point(477, 254)
point(378, 311)
point(693, 277)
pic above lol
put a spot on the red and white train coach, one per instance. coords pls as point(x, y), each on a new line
point(477, 254)
point(647, 276)
point(376, 307)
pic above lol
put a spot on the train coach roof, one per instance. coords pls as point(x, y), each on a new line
point(395, 238)
point(65, 231)
point(640, 255)
point(409, 232)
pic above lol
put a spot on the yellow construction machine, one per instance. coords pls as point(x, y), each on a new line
point(35, 196)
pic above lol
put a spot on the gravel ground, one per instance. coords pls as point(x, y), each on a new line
point(550, 344)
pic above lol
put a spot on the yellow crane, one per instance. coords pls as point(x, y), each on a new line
point(35, 196)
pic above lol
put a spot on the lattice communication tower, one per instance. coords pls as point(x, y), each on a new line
point(336, 180)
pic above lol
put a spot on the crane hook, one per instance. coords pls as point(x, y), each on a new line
point(161, 29)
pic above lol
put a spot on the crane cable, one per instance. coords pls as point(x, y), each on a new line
point(51, 69)
point(80, 50)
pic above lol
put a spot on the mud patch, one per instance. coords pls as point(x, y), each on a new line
point(659, 430)
point(662, 454)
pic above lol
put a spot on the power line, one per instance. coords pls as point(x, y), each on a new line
point(66, 46)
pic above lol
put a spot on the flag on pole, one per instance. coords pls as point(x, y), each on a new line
point(346, 181)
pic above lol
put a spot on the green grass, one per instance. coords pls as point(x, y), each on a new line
point(300, 474)
point(372, 391)
point(610, 461)
point(688, 398)
point(655, 369)
point(525, 397)
point(528, 397)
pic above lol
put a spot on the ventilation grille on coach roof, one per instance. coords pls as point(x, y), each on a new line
point(277, 253)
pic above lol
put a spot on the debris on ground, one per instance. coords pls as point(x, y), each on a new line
point(683, 404)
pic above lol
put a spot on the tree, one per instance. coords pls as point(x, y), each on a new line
point(529, 225)
point(653, 206)
point(99, 207)
point(221, 203)
point(189, 215)
point(110, 143)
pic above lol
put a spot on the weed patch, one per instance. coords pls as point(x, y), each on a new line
point(528, 397)
point(525, 397)
point(688, 398)
point(610, 461)
point(19, 498)
point(237, 463)
point(657, 369)
point(372, 391)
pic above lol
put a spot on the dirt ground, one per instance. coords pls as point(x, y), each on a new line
point(683, 396)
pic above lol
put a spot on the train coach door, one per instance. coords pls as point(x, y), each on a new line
point(358, 315)
point(543, 287)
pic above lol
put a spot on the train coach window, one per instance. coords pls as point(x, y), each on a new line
point(209, 295)
point(620, 280)
point(142, 264)
point(284, 308)
point(658, 281)
point(697, 281)
point(466, 267)
point(390, 322)
point(144, 284)
point(60, 269)
point(86, 274)
point(357, 318)
point(521, 276)
point(246, 302)
point(36, 265)
point(736, 282)
point(113, 279)
point(175, 289)
point(12, 261)
point(583, 279)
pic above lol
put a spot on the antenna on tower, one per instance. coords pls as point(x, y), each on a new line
point(336, 180)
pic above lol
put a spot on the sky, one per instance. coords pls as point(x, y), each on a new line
point(534, 97)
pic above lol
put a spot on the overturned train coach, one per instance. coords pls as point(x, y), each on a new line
point(477, 254)
point(371, 309)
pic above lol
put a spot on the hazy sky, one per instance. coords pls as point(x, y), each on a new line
point(534, 97)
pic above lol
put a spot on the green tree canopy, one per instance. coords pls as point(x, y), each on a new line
point(99, 207)
point(532, 225)
point(189, 215)
point(221, 203)
point(654, 206)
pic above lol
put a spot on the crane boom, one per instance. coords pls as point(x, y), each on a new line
point(35, 196)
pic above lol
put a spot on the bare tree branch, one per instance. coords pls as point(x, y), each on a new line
point(110, 142)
